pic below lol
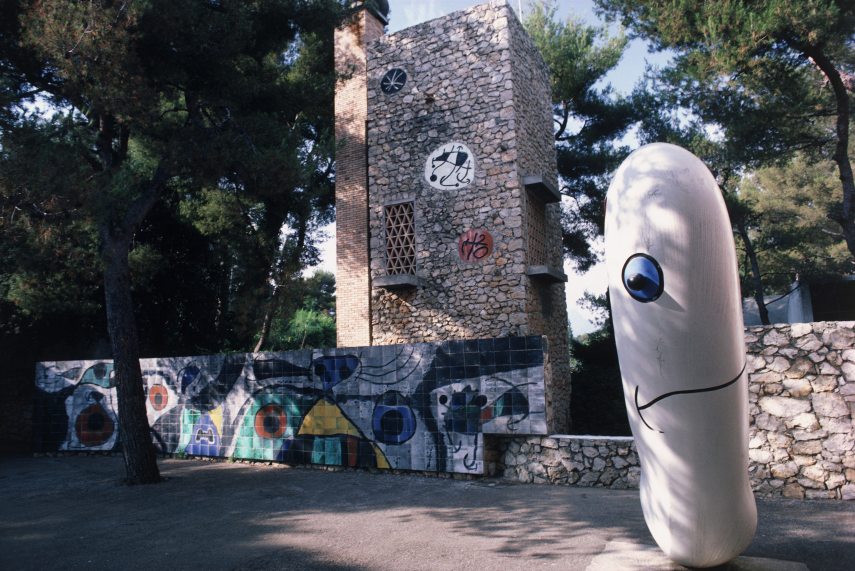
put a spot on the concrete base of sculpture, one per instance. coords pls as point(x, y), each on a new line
point(629, 556)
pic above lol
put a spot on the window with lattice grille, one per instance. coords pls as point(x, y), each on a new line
point(536, 222)
point(400, 239)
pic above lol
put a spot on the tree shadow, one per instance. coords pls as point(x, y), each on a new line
point(73, 512)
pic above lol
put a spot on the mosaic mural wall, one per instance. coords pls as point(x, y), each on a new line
point(422, 406)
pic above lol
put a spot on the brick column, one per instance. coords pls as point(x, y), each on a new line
point(353, 284)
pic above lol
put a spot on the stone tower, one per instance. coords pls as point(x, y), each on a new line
point(455, 233)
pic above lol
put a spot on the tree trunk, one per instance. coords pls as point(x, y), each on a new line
point(116, 235)
point(137, 448)
point(756, 278)
point(290, 266)
point(846, 219)
point(272, 306)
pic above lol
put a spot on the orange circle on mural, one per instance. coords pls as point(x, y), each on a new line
point(271, 421)
point(474, 245)
point(158, 396)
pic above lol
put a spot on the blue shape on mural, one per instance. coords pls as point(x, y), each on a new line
point(334, 369)
point(465, 411)
point(189, 374)
point(204, 436)
point(393, 421)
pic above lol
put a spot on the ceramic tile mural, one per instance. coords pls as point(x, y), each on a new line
point(422, 406)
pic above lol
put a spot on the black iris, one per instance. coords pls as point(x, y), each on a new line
point(271, 423)
point(642, 278)
point(95, 422)
point(392, 422)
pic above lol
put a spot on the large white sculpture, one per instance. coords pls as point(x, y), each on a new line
point(677, 314)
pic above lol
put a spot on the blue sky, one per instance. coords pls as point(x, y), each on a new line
point(406, 13)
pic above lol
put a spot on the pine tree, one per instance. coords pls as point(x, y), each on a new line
point(774, 75)
point(589, 120)
point(158, 98)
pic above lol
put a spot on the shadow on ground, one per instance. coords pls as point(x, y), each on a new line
point(73, 513)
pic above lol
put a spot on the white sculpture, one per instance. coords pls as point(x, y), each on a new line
point(677, 314)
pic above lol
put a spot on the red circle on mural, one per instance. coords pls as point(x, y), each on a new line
point(271, 421)
point(94, 426)
point(158, 396)
point(474, 245)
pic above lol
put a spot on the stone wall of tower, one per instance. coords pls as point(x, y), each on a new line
point(353, 324)
point(458, 90)
point(546, 302)
point(473, 78)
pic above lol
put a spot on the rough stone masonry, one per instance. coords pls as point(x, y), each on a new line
point(802, 433)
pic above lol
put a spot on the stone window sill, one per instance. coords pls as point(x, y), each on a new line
point(398, 281)
point(546, 273)
point(542, 189)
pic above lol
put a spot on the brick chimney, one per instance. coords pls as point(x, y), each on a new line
point(353, 283)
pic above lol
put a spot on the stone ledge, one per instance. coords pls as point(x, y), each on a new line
point(397, 281)
point(591, 437)
point(541, 189)
point(546, 273)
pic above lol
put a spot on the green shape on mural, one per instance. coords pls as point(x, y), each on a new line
point(327, 451)
point(269, 422)
point(100, 374)
point(201, 432)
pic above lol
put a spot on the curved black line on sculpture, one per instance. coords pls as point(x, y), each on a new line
point(683, 392)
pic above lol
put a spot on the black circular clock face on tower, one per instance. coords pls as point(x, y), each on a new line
point(393, 81)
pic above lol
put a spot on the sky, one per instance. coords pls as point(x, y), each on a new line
point(406, 13)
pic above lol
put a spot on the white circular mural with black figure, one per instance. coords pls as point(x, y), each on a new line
point(450, 166)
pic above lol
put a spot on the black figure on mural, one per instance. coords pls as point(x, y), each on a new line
point(451, 167)
point(474, 245)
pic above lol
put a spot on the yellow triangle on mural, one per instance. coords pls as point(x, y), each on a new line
point(217, 418)
point(326, 419)
point(382, 462)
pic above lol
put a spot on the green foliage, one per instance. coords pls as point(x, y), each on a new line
point(589, 120)
point(771, 78)
point(48, 255)
point(319, 292)
point(306, 329)
point(597, 406)
point(129, 108)
point(311, 324)
point(231, 101)
point(791, 228)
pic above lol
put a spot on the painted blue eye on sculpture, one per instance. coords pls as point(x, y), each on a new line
point(643, 279)
point(675, 299)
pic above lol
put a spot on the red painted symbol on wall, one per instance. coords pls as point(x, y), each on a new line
point(474, 245)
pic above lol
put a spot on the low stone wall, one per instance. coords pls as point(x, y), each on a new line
point(802, 433)
point(602, 461)
point(802, 395)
